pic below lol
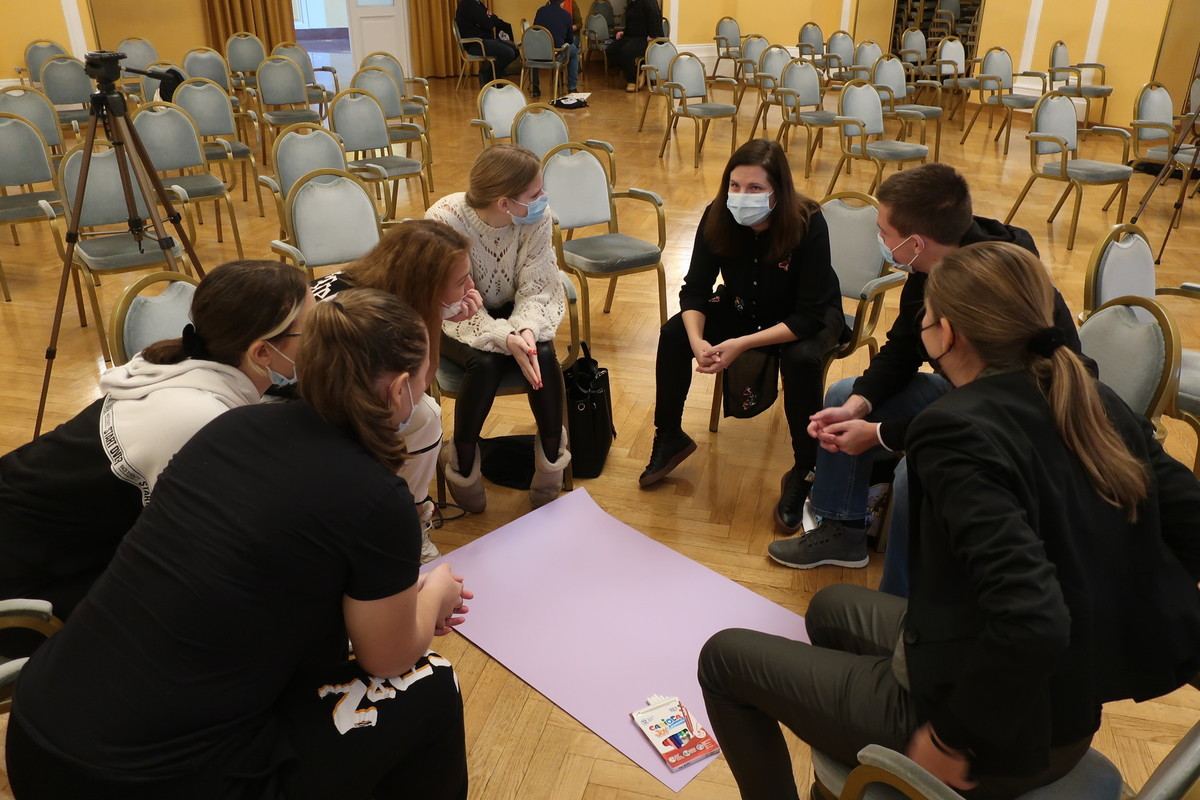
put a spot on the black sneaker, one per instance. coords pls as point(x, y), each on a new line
point(668, 452)
point(831, 542)
point(793, 491)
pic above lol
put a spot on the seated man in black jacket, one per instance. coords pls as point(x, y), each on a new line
point(476, 22)
point(924, 214)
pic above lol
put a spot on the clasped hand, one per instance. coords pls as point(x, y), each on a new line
point(452, 593)
point(711, 359)
point(838, 430)
point(523, 347)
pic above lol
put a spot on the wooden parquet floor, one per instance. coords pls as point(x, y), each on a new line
point(717, 507)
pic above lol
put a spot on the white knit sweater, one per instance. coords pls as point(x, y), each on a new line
point(515, 263)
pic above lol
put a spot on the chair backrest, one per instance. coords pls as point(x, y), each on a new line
point(65, 82)
point(537, 44)
point(914, 49)
point(812, 40)
point(104, 197)
point(802, 78)
point(578, 187)
point(140, 319)
point(666, 28)
point(1138, 360)
point(380, 84)
point(280, 82)
point(752, 49)
point(853, 247)
point(204, 62)
point(604, 9)
point(688, 71)
point(1059, 57)
point(169, 135)
point(889, 71)
point(149, 85)
point(539, 127)
point(35, 107)
point(139, 53)
point(37, 53)
point(298, 54)
point(1121, 264)
point(1154, 104)
point(1193, 96)
point(245, 52)
point(860, 100)
point(772, 62)
point(729, 33)
point(1055, 114)
point(597, 28)
point(841, 44)
point(208, 105)
point(658, 56)
point(300, 149)
point(24, 155)
point(331, 217)
point(390, 63)
point(998, 63)
point(952, 49)
point(867, 53)
point(499, 103)
point(356, 116)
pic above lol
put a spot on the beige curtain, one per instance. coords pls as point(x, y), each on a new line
point(434, 53)
point(269, 20)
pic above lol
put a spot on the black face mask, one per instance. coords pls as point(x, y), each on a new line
point(934, 361)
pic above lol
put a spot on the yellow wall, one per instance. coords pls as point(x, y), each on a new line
point(1177, 60)
point(40, 20)
point(873, 20)
point(172, 32)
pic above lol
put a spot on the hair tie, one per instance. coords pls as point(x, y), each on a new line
point(193, 344)
point(1046, 341)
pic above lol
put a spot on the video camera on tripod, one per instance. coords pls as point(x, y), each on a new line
point(104, 67)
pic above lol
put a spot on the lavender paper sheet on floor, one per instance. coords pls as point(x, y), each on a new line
point(597, 617)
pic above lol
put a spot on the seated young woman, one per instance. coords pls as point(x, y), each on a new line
point(425, 264)
point(770, 247)
point(68, 497)
point(503, 214)
point(1055, 556)
point(210, 658)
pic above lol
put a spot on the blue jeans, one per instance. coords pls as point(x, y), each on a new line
point(843, 481)
point(572, 69)
point(895, 558)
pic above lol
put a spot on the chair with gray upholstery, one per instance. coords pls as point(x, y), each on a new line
point(801, 99)
point(412, 106)
point(69, 88)
point(139, 54)
point(839, 57)
point(996, 83)
point(891, 80)
point(753, 46)
point(597, 36)
point(37, 53)
point(1154, 126)
point(654, 70)
point(300, 149)
point(172, 141)
point(24, 162)
point(317, 93)
point(581, 196)
point(405, 117)
point(860, 117)
point(140, 318)
point(211, 109)
point(689, 97)
point(36, 108)
point(498, 103)
point(538, 52)
point(470, 51)
point(28, 614)
point(329, 218)
point(769, 77)
point(282, 99)
point(729, 44)
point(1054, 131)
point(810, 44)
point(539, 128)
point(1070, 76)
point(358, 119)
point(244, 51)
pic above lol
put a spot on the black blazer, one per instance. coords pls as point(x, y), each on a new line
point(1033, 600)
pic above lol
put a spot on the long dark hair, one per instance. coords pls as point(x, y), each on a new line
point(789, 218)
point(235, 305)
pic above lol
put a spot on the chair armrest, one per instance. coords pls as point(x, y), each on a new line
point(984, 80)
point(729, 81)
point(288, 251)
point(858, 123)
point(370, 170)
point(412, 127)
point(1189, 290)
point(1046, 137)
point(483, 123)
point(11, 670)
point(1121, 133)
point(907, 770)
point(225, 145)
point(1029, 73)
point(419, 99)
point(599, 145)
point(27, 607)
point(653, 199)
point(421, 81)
point(912, 116)
point(886, 94)
point(1069, 70)
point(876, 287)
point(674, 91)
point(269, 182)
point(790, 98)
point(178, 191)
point(1149, 124)
point(47, 209)
point(325, 69)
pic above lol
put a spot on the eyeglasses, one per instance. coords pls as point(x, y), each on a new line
point(286, 335)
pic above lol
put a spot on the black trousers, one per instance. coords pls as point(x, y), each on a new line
point(625, 52)
point(504, 53)
point(800, 364)
point(483, 374)
point(341, 735)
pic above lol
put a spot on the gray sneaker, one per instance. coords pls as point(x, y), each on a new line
point(831, 542)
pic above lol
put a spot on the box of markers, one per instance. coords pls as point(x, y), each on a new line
point(670, 728)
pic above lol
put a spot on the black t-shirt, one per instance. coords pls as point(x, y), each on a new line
point(231, 580)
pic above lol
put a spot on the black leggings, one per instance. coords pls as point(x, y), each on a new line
point(483, 374)
point(800, 364)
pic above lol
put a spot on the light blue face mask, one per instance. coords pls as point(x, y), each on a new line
point(886, 252)
point(282, 381)
point(400, 428)
point(533, 211)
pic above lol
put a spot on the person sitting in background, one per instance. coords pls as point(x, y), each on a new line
point(556, 19)
point(924, 215)
point(770, 246)
point(476, 22)
point(643, 24)
point(1055, 559)
point(425, 264)
point(68, 497)
point(219, 630)
point(504, 215)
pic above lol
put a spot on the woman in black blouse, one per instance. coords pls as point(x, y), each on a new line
point(770, 247)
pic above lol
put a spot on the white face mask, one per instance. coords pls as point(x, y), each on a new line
point(276, 378)
point(453, 309)
point(749, 208)
point(412, 404)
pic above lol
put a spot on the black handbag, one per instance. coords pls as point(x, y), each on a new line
point(751, 383)
point(589, 415)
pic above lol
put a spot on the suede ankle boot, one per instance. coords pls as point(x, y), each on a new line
point(467, 490)
point(547, 475)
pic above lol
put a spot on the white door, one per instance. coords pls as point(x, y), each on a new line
point(379, 25)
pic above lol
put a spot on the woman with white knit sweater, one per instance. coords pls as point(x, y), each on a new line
point(504, 215)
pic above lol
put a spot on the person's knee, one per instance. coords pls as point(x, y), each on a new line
point(720, 651)
point(801, 358)
point(673, 335)
point(840, 392)
point(829, 608)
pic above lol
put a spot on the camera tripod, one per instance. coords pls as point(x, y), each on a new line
point(109, 108)
point(1172, 161)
